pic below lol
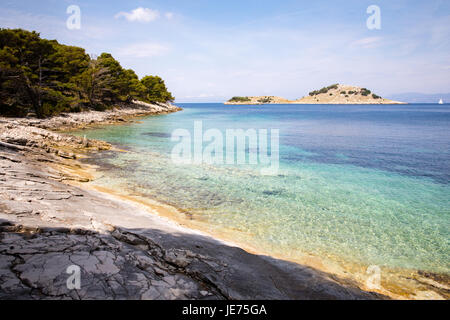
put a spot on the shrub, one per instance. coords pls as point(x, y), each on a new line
point(365, 92)
point(240, 99)
point(333, 86)
point(265, 100)
point(323, 90)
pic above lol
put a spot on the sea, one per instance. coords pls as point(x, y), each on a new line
point(364, 185)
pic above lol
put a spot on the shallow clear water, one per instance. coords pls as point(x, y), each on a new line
point(365, 184)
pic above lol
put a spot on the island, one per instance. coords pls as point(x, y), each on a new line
point(333, 94)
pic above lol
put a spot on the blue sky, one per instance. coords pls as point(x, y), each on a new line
point(212, 50)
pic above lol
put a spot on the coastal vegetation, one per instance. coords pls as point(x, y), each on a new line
point(239, 99)
point(324, 90)
point(46, 78)
point(365, 92)
point(257, 100)
point(265, 100)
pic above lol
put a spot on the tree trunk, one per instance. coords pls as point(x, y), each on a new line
point(40, 84)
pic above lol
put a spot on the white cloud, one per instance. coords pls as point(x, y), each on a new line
point(144, 50)
point(369, 42)
point(169, 15)
point(140, 15)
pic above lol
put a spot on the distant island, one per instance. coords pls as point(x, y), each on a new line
point(334, 94)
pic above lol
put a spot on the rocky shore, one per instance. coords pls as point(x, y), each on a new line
point(125, 113)
point(48, 223)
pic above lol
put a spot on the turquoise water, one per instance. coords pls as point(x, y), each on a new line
point(365, 184)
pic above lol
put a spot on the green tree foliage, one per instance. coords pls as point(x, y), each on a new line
point(240, 99)
point(324, 90)
point(265, 100)
point(365, 92)
point(93, 86)
point(25, 71)
point(44, 77)
point(154, 90)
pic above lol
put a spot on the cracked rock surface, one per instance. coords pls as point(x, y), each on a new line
point(122, 251)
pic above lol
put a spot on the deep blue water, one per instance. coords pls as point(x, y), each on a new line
point(409, 139)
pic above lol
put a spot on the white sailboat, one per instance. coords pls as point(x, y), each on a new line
point(441, 102)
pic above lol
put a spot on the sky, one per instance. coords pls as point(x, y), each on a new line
point(211, 50)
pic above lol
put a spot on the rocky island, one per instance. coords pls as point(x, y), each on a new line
point(333, 94)
point(258, 100)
